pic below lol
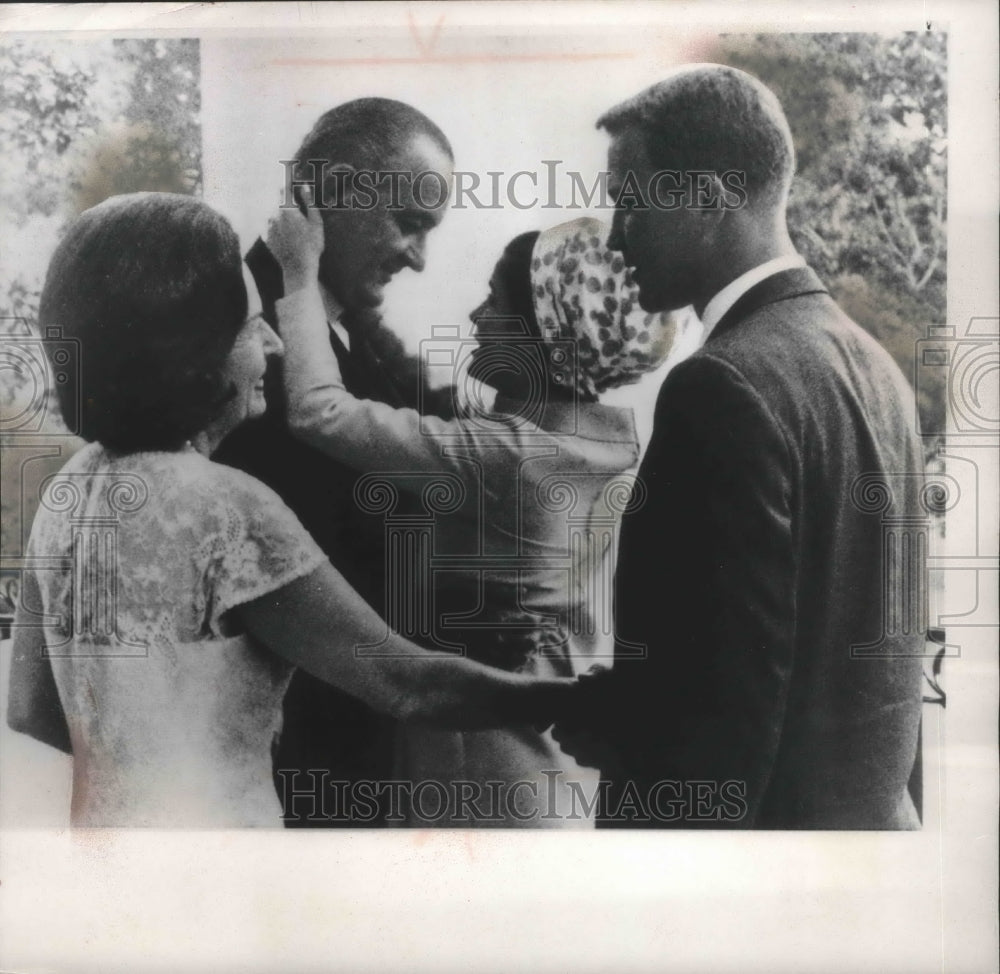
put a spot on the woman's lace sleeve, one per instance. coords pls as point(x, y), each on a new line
point(254, 545)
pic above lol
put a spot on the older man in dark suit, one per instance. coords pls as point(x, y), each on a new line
point(360, 162)
point(753, 684)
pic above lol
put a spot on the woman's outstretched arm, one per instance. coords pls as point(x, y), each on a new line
point(320, 623)
point(365, 434)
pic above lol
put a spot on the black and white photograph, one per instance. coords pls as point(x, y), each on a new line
point(427, 426)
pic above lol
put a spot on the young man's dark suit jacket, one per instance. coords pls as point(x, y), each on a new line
point(751, 570)
point(324, 728)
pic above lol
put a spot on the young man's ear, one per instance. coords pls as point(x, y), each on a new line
point(707, 198)
point(706, 192)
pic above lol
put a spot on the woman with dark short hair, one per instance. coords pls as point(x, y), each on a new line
point(169, 597)
point(533, 483)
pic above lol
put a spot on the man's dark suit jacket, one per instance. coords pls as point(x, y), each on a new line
point(325, 730)
point(752, 569)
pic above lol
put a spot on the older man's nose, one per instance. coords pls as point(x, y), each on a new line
point(414, 254)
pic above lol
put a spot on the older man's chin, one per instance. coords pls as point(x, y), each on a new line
point(371, 294)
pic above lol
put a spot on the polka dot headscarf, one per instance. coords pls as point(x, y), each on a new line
point(584, 293)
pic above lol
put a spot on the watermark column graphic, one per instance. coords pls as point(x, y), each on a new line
point(409, 549)
point(93, 563)
point(592, 530)
point(33, 433)
point(968, 356)
point(905, 503)
point(963, 562)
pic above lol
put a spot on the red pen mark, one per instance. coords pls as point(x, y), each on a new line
point(424, 48)
point(426, 56)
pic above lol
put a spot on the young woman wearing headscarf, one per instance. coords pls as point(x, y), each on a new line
point(524, 494)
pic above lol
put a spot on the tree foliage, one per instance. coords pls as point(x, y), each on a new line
point(156, 144)
point(868, 113)
point(81, 120)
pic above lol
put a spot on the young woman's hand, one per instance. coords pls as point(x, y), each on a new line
point(295, 237)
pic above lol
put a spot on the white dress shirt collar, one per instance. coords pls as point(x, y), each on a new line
point(334, 312)
point(734, 290)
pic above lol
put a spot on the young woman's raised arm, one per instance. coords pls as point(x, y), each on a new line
point(364, 434)
point(320, 623)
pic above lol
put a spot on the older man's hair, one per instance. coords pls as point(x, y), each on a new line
point(369, 132)
point(713, 118)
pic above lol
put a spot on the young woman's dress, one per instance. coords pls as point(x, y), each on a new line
point(512, 565)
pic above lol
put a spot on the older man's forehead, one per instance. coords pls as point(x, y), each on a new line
point(421, 152)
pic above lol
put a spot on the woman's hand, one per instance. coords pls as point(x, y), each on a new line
point(296, 239)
